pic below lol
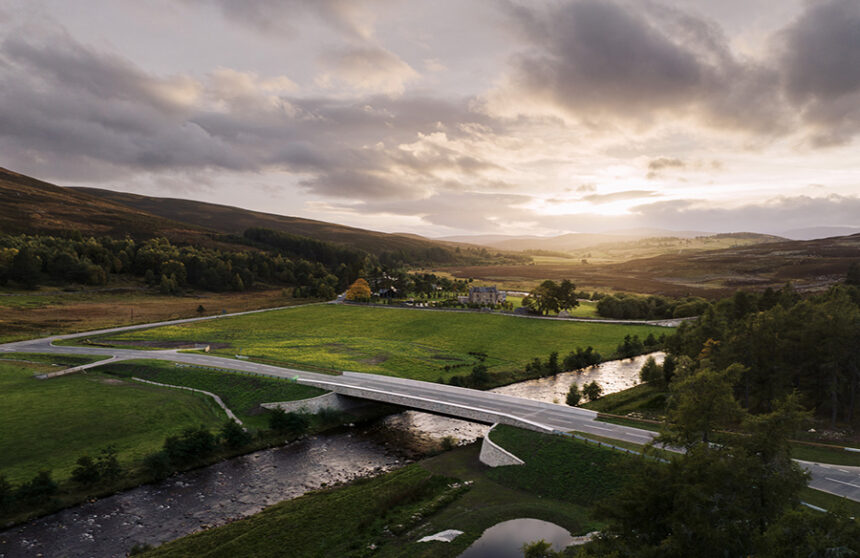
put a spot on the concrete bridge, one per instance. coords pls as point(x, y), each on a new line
point(468, 404)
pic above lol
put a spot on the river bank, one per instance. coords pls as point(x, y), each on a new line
point(239, 487)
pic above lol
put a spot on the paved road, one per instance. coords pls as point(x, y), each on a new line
point(843, 481)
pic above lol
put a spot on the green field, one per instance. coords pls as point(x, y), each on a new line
point(242, 393)
point(586, 308)
point(394, 510)
point(410, 343)
point(48, 424)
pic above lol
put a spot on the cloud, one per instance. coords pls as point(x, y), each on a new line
point(278, 18)
point(599, 60)
point(820, 61)
point(773, 216)
point(70, 111)
point(367, 68)
point(665, 162)
point(619, 196)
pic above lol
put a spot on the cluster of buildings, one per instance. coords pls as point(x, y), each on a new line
point(484, 296)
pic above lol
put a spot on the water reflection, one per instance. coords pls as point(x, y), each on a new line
point(506, 539)
point(613, 376)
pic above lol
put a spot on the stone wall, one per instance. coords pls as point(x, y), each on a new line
point(496, 456)
point(314, 405)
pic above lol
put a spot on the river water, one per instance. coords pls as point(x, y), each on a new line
point(239, 487)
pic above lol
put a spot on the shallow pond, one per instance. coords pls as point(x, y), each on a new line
point(506, 539)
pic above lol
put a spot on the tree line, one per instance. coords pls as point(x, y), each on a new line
point(622, 306)
point(782, 343)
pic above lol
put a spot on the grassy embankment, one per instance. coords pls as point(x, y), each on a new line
point(28, 314)
point(400, 342)
point(242, 393)
point(560, 481)
point(49, 424)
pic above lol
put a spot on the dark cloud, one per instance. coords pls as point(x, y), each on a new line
point(605, 59)
point(69, 111)
point(619, 196)
point(821, 67)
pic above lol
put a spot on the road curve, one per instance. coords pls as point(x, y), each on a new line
point(838, 480)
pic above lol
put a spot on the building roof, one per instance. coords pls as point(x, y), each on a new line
point(483, 289)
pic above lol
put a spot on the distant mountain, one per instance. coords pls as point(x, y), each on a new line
point(573, 242)
point(812, 233)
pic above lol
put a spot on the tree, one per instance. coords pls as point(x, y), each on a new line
point(87, 472)
point(651, 372)
point(7, 495)
point(108, 465)
point(539, 549)
point(359, 291)
point(551, 297)
point(39, 489)
point(26, 266)
point(853, 275)
point(592, 391)
point(700, 403)
point(716, 501)
point(573, 396)
point(293, 424)
point(552, 366)
point(234, 436)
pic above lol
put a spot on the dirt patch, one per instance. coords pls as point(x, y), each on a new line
point(111, 381)
point(375, 360)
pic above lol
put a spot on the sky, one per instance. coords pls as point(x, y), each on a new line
point(447, 117)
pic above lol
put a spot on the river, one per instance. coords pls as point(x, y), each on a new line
point(239, 487)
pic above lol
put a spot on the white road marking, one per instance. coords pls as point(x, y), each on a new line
point(842, 482)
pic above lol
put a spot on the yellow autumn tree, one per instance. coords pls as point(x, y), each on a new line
point(359, 291)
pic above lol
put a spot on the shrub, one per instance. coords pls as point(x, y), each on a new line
point(234, 436)
point(573, 396)
point(39, 489)
point(87, 472)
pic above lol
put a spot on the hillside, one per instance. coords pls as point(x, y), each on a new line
point(810, 265)
point(234, 220)
point(31, 206)
point(617, 245)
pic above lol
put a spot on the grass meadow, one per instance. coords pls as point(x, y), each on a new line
point(242, 393)
point(48, 424)
point(415, 344)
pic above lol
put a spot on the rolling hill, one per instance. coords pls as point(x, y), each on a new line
point(233, 220)
point(32, 206)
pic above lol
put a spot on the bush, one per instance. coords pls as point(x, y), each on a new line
point(573, 396)
point(39, 489)
point(108, 466)
point(651, 372)
point(294, 424)
point(592, 391)
point(193, 445)
point(158, 465)
point(581, 358)
point(7, 494)
point(234, 436)
point(87, 472)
